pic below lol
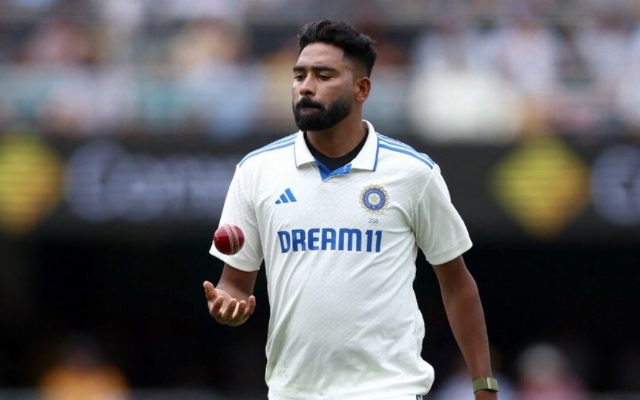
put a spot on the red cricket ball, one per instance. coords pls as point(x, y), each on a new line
point(228, 239)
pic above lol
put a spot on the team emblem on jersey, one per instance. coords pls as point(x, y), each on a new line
point(374, 199)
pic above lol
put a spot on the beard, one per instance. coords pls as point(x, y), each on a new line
point(314, 116)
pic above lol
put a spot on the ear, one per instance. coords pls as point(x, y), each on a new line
point(362, 87)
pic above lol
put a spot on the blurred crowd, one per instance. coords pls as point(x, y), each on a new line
point(473, 70)
point(544, 371)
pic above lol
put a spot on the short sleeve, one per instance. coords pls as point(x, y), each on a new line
point(440, 231)
point(239, 210)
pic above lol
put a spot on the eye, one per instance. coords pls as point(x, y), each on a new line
point(324, 77)
point(298, 77)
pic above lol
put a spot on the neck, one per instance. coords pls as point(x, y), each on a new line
point(339, 139)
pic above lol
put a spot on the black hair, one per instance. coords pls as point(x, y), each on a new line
point(355, 45)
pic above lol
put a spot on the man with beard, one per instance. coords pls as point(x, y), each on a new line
point(338, 211)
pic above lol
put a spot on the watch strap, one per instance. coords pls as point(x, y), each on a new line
point(485, 383)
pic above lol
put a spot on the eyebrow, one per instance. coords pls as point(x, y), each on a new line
point(315, 68)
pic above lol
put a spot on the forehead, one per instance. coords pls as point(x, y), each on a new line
point(323, 54)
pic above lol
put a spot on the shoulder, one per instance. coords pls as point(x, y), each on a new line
point(401, 154)
point(269, 152)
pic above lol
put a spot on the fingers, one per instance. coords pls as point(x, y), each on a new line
point(251, 307)
point(243, 311)
point(229, 310)
point(209, 290)
point(226, 309)
point(216, 306)
point(215, 301)
point(233, 313)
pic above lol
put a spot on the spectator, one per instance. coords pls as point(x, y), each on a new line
point(456, 386)
point(221, 91)
point(276, 109)
point(455, 95)
point(528, 57)
point(603, 41)
point(82, 373)
point(628, 90)
point(544, 374)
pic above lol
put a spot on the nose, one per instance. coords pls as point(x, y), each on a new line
point(306, 87)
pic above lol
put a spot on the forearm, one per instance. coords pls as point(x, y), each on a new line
point(466, 318)
point(238, 284)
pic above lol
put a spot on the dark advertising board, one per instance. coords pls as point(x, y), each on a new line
point(539, 189)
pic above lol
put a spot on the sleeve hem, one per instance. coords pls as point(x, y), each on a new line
point(449, 255)
point(235, 261)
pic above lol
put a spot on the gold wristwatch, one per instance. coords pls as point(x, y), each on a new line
point(486, 383)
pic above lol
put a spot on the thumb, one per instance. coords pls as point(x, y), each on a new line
point(209, 290)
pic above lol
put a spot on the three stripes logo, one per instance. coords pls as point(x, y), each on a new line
point(286, 197)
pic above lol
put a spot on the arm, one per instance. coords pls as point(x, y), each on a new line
point(466, 318)
point(232, 301)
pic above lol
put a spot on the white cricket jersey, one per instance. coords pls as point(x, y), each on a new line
point(339, 249)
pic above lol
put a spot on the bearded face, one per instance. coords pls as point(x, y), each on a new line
point(311, 115)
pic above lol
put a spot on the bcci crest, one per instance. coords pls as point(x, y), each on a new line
point(374, 199)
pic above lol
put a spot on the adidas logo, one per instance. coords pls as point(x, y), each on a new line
point(286, 197)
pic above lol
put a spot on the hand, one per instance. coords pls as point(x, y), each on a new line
point(225, 309)
point(486, 395)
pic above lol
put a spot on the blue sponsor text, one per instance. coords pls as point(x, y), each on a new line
point(323, 239)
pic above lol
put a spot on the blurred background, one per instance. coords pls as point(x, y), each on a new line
point(121, 122)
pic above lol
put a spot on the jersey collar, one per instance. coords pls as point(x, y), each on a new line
point(367, 159)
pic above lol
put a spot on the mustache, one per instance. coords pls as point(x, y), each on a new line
point(305, 102)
